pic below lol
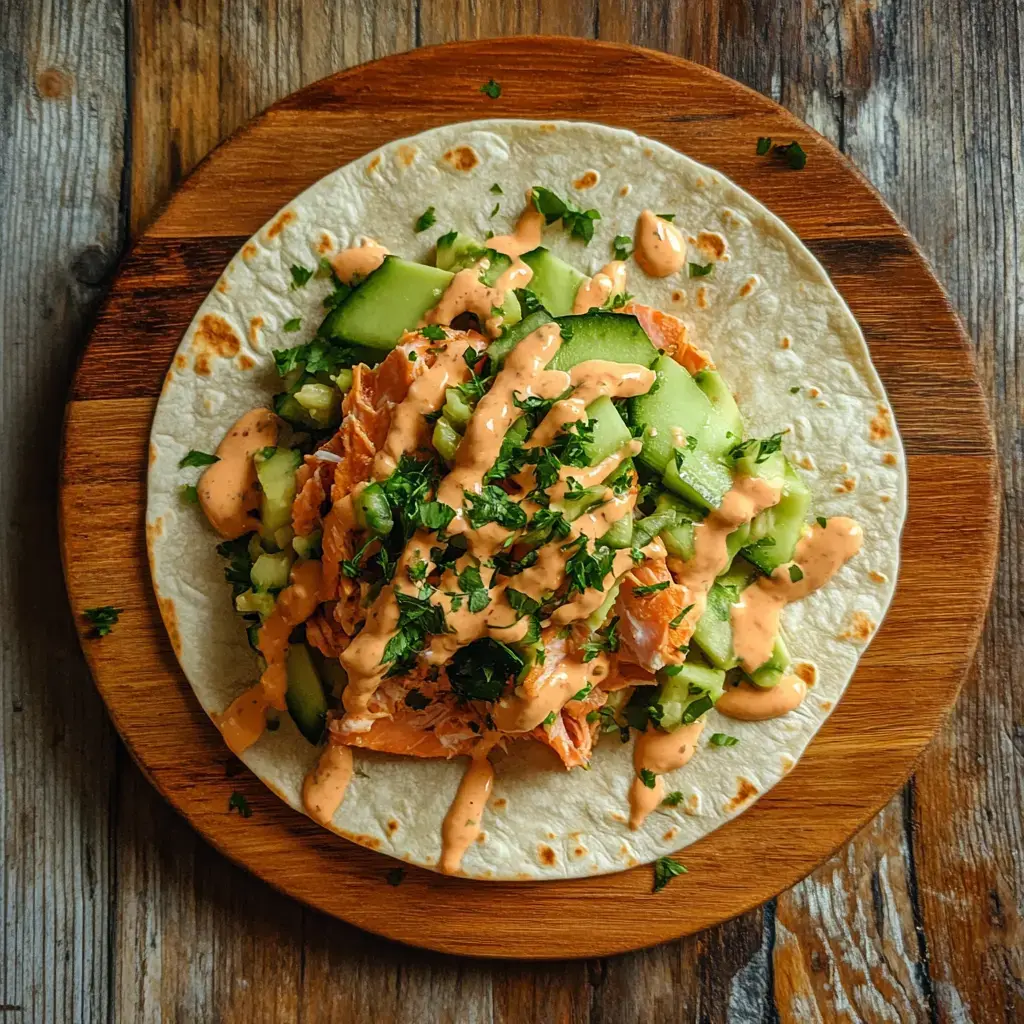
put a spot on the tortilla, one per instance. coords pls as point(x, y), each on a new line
point(778, 330)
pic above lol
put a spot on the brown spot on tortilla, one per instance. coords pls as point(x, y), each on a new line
point(551, 835)
point(880, 427)
point(700, 183)
point(787, 763)
point(168, 381)
point(462, 158)
point(846, 486)
point(813, 392)
point(500, 804)
point(678, 296)
point(371, 841)
point(670, 834)
point(625, 190)
point(153, 530)
point(523, 876)
point(249, 250)
point(180, 362)
point(548, 128)
point(729, 216)
point(806, 671)
point(713, 245)
point(618, 817)
point(648, 152)
point(405, 155)
point(702, 297)
point(152, 454)
point(254, 330)
point(624, 850)
point(246, 362)
point(481, 838)
point(546, 855)
point(373, 164)
point(749, 285)
point(692, 804)
point(859, 628)
point(54, 84)
point(588, 179)
point(884, 499)
point(745, 789)
point(877, 577)
point(280, 222)
point(579, 851)
point(786, 342)
point(325, 244)
point(825, 705)
point(215, 337)
point(805, 462)
point(889, 459)
point(575, 835)
point(392, 826)
point(170, 616)
point(222, 286)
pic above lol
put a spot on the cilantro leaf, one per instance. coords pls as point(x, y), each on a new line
point(793, 154)
point(446, 239)
point(482, 669)
point(700, 270)
point(102, 619)
point(602, 640)
point(300, 275)
point(582, 694)
point(665, 869)
point(721, 739)
point(653, 588)
point(433, 333)
point(579, 223)
point(189, 494)
point(473, 587)
point(291, 326)
point(491, 89)
point(696, 708)
point(764, 448)
point(427, 219)
point(496, 190)
point(550, 720)
point(239, 563)
point(493, 505)
point(648, 778)
point(678, 620)
point(764, 143)
point(197, 458)
point(436, 515)
point(821, 521)
point(622, 247)
point(238, 802)
point(674, 799)
point(522, 604)
point(418, 618)
point(586, 570)
point(796, 574)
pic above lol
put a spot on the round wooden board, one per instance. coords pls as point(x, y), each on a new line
point(907, 680)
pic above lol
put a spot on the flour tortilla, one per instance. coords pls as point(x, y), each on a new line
point(771, 320)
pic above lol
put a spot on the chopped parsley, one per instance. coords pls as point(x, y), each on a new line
point(674, 799)
point(550, 720)
point(793, 154)
point(609, 722)
point(497, 207)
point(721, 739)
point(416, 700)
point(665, 869)
point(496, 190)
point(481, 670)
point(602, 640)
point(666, 216)
point(102, 619)
point(395, 876)
point(417, 571)
point(300, 275)
point(622, 247)
point(795, 389)
point(647, 777)
point(491, 89)
point(351, 567)
point(700, 269)
point(189, 494)
point(435, 515)
point(764, 143)
point(291, 326)
point(446, 239)
point(427, 219)
point(586, 570)
point(473, 587)
point(238, 802)
point(196, 458)
point(582, 694)
point(696, 708)
point(239, 563)
point(617, 301)
point(579, 223)
point(678, 620)
point(796, 574)
point(318, 356)
point(653, 588)
point(418, 618)
point(764, 448)
point(432, 332)
point(522, 604)
point(821, 521)
point(493, 505)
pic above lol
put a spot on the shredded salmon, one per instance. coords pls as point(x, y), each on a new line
point(442, 729)
point(645, 620)
point(669, 333)
point(313, 484)
point(324, 633)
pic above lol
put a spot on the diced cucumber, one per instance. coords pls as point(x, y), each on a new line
point(698, 477)
point(775, 531)
point(572, 508)
point(512, 335)
point(275, 469)
point(674, 407)
point(678, 541)
point(343, 380)
point(735, 541)
point(457, 253)
point(554, 282)
point(725, 426)
point(687, 693)
point(445, 439)
point(617, 337)
point(610, 430)
point(773, 468)
point(310, 546)
point(372, 510)
point(253, 602)
point(456, 409)
point(771, 672)
point(646, 529)
point(713, 633)
point(620, 534)
point(270, 572)
point(596, 619)
point(305, 695)
point(321, 402)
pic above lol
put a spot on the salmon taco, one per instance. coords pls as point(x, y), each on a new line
point(521, 499)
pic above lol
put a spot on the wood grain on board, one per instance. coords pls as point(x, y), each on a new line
point(898, 86)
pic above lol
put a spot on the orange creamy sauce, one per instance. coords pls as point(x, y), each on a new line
point(608, 282)
point(659, 752)
point(659, 247)
point(324, 787)
point(463, 821)
point(355, 263)
point(228, 491)
point(750, 703)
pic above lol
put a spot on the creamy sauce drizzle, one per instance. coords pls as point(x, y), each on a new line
point(819, 555)
point(608, 282)
point(359, 261)
point(537, 698)
point(228, 491)
point(465, 815)
point(324, 787)
point(659, 752)
point(659, 248)
point(750, 703)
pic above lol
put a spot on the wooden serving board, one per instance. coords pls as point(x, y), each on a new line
point(907, 680)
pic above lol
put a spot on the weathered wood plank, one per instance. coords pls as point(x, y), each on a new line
point(62, 112)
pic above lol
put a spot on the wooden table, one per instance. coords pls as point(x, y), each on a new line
point(112, 908)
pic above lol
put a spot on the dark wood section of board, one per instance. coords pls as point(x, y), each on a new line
point(114, 909)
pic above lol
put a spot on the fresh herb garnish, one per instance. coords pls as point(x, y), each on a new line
point(795, 389)
point(666, 216)
point(701, 270)
point(238, 802)
point(721, 739)
point(579, 223)
point(522, 604)
point(473, 587)
point(318, 356)
point(416, 700)
point(189, 494)
point(796, 574)
point(622, 247)
point(395, 876)
point(582, 694)
point(196, 458)
point(300, 275)
point(653, 588)
point(492, 89)
point(102, 619)
point(764, 143)
point(793, 154)
point(602, 640)
point(550, 720)
point(426, 219)
point(647, 777)
point(493, 505)
point(674, 799)
point(765, 447)
point(617, 301)
point(821, 521)
point(678, 620)
point(665, 869)
point(351, 567)
point(239, 563)
point(481, 670)
point(418, 618)
point(696, 708)
point(496, 190)
point(435, 515)
point(586, 570)
point(417, 571)
point(446, 239)
point(291, 326)
point(497, 207)
point(432, 332)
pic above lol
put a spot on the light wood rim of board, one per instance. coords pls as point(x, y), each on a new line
point(906, 682)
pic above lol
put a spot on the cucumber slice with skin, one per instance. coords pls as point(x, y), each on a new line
point(610, 430)
point(713, 633)
point(725, 427)
point(698, 477)
point(461, 251)
point(511, 336)
point(445, 439)
point(554, 282)
point(771, 672)
point(275, 469)
point(616, 337)
point(372, 510)
point(305, 694)
point(687, 693)
point(456, 409)
point(774, 533)
point(620, 534)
